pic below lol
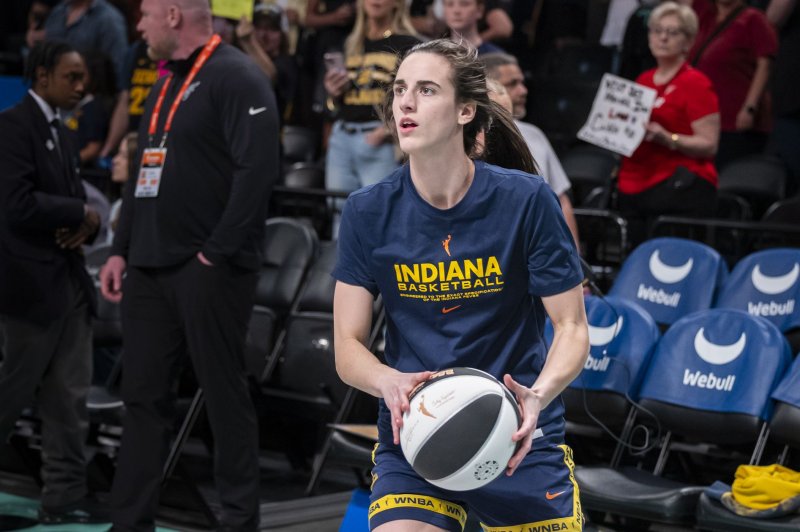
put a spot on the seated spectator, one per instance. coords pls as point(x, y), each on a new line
point(735, 47)
point(360, 148)
point(672, 171)
point(461, 18)
point(123, 166)
point(264, 40)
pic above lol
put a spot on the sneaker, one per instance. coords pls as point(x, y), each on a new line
point(86, 510)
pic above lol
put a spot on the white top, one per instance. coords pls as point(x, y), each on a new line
point(546, 159)
point(617, 19)
point(49, 113)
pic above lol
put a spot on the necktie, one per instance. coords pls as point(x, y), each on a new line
point(64, 153)
point(55, 124)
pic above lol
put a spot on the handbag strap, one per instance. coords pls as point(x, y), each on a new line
point(719, 29)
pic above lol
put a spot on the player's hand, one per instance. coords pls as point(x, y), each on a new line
point(395, 388)
point(530, 406)
point(111, 278)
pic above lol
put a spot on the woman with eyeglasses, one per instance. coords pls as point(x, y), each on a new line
point(672, 171)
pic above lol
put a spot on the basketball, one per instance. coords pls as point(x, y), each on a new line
point(457, 433)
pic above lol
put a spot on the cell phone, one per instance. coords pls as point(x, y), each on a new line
point(333, 61)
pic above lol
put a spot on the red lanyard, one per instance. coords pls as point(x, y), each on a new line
point(209, 48)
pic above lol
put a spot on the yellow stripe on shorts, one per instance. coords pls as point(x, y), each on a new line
point(573, 523)
point(423, 502)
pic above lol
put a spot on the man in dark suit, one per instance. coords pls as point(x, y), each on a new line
point(46, 296)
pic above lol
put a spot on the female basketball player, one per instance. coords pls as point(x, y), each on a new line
point(468, 258)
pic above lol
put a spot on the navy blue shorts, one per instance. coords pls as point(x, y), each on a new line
point(541, 495)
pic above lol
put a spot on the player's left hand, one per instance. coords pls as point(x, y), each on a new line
point(530, 406)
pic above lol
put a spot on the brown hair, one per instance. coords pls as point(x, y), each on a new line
point(504, 144)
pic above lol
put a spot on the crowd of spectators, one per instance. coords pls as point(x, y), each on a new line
point(744, 48)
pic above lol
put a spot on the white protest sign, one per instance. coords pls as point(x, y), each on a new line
point(619, 115)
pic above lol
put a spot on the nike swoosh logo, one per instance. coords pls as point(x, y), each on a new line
point(254, 111)
point(550, 496)
point(446, 310)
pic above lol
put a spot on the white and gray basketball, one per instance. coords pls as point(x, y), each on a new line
point(457, 433)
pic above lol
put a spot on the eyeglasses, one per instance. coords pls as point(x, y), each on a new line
point(658, 31)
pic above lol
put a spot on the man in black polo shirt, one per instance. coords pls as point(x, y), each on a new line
point(188, 244)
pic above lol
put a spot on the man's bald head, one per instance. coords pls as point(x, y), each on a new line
point(174, 29)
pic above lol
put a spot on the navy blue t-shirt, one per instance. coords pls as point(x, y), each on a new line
point(461, 286)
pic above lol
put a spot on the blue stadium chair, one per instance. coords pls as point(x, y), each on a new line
point(709, 382)
point(767, 284)
point(785, 430)
point(622, 337)
point(670, 278)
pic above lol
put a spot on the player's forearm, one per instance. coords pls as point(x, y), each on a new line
point(358, 367)
point(565, 360)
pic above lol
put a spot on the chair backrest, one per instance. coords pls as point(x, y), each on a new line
point(671, 277)
point(766, 283)
point(712, 375)
point(588, 168)
point(760, 179)
point(732, 207)
point(784, 212)
point(304, 175)
point(622, 336)
point(317, 293)
point(299, 144)
point(785, 424)
point(287, 251)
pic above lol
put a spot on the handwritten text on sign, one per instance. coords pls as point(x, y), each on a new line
point(619, 115)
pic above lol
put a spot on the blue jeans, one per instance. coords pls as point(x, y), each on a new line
point(351, 163)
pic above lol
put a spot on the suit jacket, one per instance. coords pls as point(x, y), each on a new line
point(39, 192)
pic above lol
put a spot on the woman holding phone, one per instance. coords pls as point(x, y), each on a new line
point(360, 151)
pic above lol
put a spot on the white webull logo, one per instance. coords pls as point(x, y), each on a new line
point(603, 335)
point(718, 354)
point(669, 274)
point(774, 285)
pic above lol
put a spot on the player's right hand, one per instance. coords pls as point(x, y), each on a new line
point(395, 387)
point(111, 278)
